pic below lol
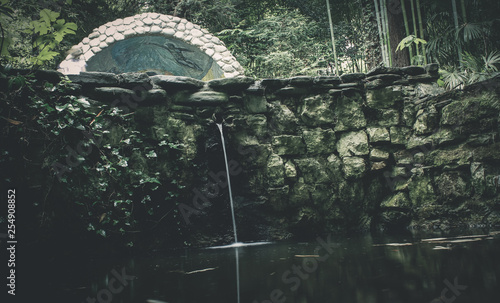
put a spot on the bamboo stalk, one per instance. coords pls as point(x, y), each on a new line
point(384, 32)
point(421, 28)
point(379, 25)
point(455, 19)
point(414, 24)
point(387, 34)
point(464, 12)
point(337, 71)
point(407, 27)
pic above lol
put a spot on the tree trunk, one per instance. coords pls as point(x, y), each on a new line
point(396, 34)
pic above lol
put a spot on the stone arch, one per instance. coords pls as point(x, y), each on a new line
point(169, 39)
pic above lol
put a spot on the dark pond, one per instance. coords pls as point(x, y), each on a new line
point(364, 269)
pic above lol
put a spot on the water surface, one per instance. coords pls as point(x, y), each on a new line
point(362, 269)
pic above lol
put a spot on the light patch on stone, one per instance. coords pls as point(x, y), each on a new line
point(155, 29)
point(168, 31)
point(117, 22)
point(118, 36)
point(196, 33)
point(128, 20)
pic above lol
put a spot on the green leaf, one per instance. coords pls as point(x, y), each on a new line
point(48, 16)
point(63, 29)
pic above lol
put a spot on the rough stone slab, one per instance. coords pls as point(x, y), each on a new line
point(334, 80)
point(413, 70)
point(94, 78)
point(384, 70)
point(291, 91)
point(432, 68)
point(288, 145)
point(274, 83)
point(301, 80)
point(177, 82)
point(156, 96)
point(231, 84)
point(130, 80)
point(110, 94)
point(423, 78)
point(386, 78)
point(205, 98)
point(346, 78)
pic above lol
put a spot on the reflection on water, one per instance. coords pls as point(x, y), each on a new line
point(362, 269)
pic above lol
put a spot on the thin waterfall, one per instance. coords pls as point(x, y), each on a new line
point(219, 125)
point(237, 273)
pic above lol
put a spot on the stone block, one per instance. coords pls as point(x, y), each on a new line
point(378, 134)
point(319, 141)
point(353, 144)
point(386, 97)
point(353, 167)
point(288, 145)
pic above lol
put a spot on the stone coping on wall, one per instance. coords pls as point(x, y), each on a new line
point(374, 79)
point(151, 24)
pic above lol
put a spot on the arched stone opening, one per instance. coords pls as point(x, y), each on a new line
point(156, 44)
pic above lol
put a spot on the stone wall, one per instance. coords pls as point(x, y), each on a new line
point(307, 154)
point(386, 148)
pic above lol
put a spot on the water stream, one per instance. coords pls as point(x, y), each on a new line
point(219, 125)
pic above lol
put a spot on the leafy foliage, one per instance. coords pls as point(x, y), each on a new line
point(278, 45)
point(48, 32)
point(114, 185)
point(475, 69)
point(5, 11)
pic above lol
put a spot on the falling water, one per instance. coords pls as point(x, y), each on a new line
point(219, 125)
